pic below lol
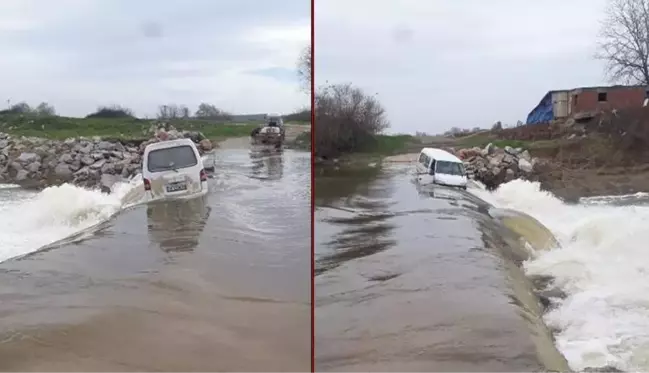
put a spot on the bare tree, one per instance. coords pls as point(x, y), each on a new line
point(45, 109)
point(184, 112)
point(624, 41)
point(304, 72)
point(20, 108)
point(113, 111)
point(209, 111)
point(172, 111)
point(346, 119)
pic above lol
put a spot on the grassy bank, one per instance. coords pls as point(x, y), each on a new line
point(482, 139)
point(373, 150)
point(388, 144)
point(127, 128)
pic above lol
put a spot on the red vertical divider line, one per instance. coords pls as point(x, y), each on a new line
point(312, 187)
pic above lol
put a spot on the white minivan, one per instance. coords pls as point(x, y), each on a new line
point(173, 169)
point(437, 166)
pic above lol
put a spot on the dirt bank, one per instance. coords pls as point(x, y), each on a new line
point(605, 154)
point(593, 165)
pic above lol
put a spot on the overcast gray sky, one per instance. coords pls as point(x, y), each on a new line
point(436, 64)
point(77, 54)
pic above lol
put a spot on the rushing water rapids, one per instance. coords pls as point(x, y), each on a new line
point(439, 280)
point(219, 283)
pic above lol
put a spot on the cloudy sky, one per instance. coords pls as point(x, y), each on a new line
point(78, 54)
point(441, 63)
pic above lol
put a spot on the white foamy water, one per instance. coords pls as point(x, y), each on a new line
point(31, 220)
point(603, 266)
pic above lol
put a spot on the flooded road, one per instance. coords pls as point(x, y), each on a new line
point(214, 284)
point(418, 280)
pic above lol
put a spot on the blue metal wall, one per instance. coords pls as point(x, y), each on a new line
point(542, 113)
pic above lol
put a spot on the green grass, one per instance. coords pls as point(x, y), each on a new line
point(127, 128)
point(512, 143)
point(388, 144)
point(482, 139)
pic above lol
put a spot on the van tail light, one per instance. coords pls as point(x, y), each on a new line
point(147, 184)
point(203, 175)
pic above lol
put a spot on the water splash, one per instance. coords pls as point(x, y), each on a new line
point(603, 267)
point(29, 220)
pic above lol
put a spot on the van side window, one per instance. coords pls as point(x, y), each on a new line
point(432, 167)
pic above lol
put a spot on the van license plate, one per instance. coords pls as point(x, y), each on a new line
point(176, 187)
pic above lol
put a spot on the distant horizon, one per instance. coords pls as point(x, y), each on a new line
point(239, 56)
point(440, 64)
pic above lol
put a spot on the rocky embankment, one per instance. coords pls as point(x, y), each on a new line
point(493, 166)
point(87, 162)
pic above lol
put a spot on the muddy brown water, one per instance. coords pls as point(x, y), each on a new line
point(412, 279)
point(214, 284)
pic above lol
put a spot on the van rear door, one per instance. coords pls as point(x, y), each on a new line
point(176, 168)
point(423, 175)
point(422, 164)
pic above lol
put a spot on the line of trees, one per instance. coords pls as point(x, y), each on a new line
point(165, 112)
point(43, 109)
point(204, 111)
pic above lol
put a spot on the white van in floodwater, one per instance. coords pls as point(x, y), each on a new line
point(437, 166)
point(173, 169)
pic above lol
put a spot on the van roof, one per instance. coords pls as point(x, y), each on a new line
point(440, 155)
point(169, 144)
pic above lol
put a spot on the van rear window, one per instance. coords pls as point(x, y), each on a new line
point(171, 158)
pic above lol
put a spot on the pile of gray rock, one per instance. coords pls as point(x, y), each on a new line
point(493, 166)
point(87, 162)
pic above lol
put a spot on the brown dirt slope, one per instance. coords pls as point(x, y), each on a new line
point(606, 154)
